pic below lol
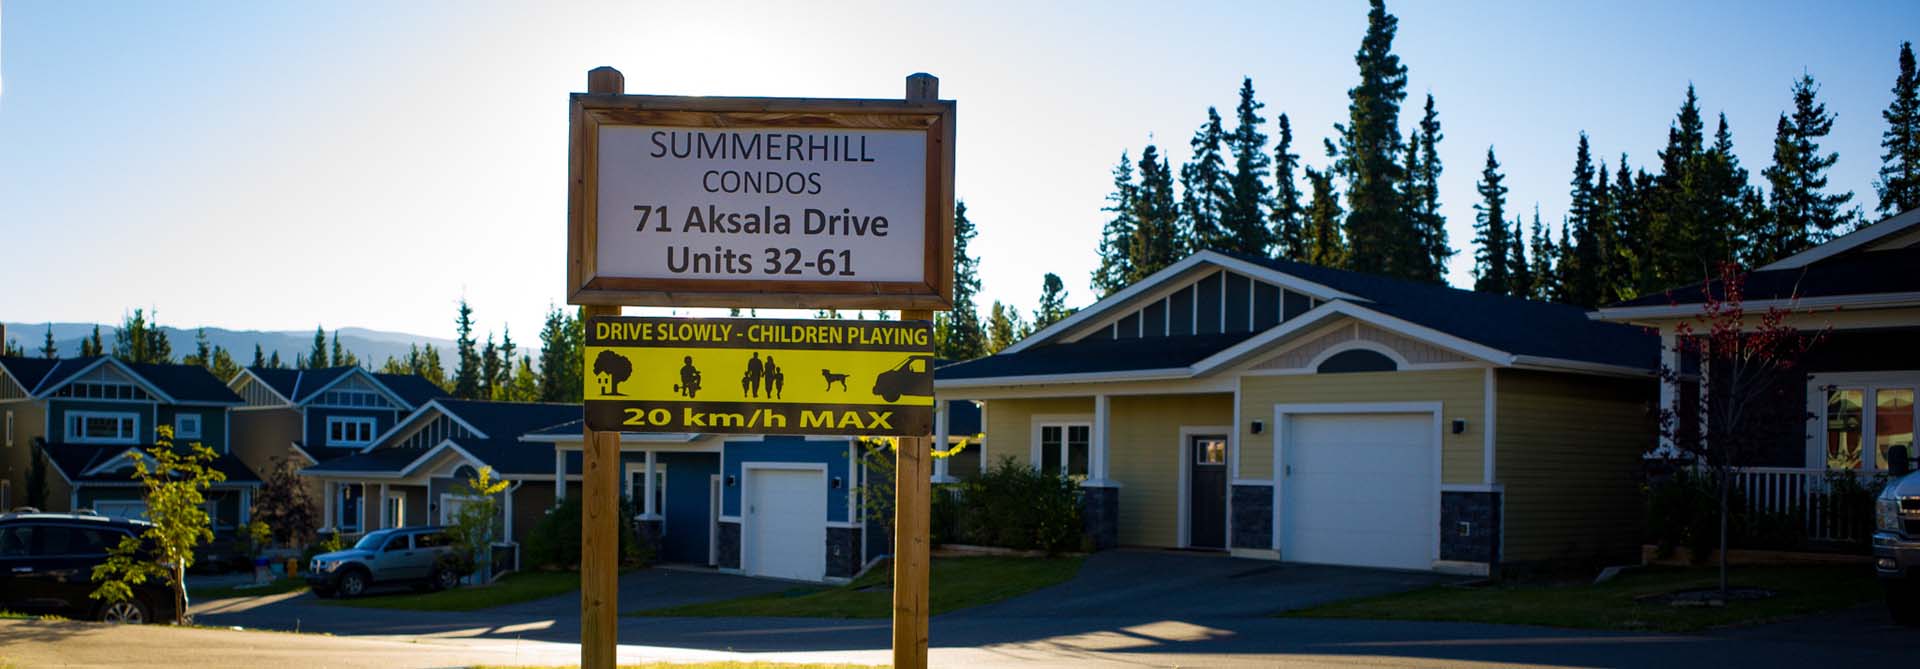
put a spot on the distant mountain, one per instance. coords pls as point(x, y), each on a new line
point(372, 347)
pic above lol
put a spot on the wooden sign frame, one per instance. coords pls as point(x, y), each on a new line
point(592, 111)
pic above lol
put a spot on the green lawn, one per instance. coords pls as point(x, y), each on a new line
point(211, 593)
point(1611, 605)
point(957, 583)
point(510, 589)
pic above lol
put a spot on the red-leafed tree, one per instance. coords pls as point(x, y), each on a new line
point(1745, 360)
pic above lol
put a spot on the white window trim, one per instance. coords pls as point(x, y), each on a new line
point(9, 428)
point(180, 425)
point(1062, 421)
point(76, 418)
point(1869, 384)
point(654, 507)
point(447, 500)
point(373, 425)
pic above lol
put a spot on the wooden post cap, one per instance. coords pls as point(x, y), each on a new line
point(606, 80)
point(923, 86)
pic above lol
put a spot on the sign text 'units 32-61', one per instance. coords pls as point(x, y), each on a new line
point(752, 376)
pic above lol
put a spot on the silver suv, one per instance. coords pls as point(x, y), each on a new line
point(403, 556)
point(1896, 539)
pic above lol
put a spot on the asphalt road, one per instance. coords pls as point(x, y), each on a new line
point(1125, 609)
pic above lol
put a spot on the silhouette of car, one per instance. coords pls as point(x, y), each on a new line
point(913, 376)
point(47, 561)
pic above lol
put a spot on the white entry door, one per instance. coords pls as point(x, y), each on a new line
point(1359, 489)
point(786, 524)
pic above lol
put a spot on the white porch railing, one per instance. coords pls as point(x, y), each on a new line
point(1806, 495)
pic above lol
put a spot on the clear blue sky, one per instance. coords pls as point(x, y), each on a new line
point(281, 165)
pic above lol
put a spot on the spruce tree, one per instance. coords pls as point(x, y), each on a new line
point(1607, 270)
point(1519, 269)
point(274, 362)
point(1490, 228)
point(317, 358)
point(202, 351)
point(1423, 179)
point(1156, 233)
point(92, 346)
point(1324, 245)
point(1003, 327)
point(48, 349)
point(1053, 302)
point(1377, 230)
point(259, 357)
point(490, 368)
point(1116, 239)
point(223, 365)
point(1289, 232)
point(1204, 192)
point(466, 373)
point(1899, 184)
point(140, 339)
point(1542, 271)
point(1799, 214)
point(1580, 267)
point(1245, 220)
point(561, 360)
point(959, 332)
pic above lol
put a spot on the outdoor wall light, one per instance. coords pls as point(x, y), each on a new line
point(1459, 426)
point(835, 484)
point(1258, 427)
point(731, 480)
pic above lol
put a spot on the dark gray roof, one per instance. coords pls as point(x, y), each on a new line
point(184, 383)
point(378, 460)
point(75, 459)
point(413, 388)
point(300, 385)
point(1863, 273)
point(510, 420)
point(1094, 355)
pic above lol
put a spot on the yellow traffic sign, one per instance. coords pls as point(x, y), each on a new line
point(752, 376)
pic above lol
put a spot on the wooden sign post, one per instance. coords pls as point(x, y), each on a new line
point(772, 203)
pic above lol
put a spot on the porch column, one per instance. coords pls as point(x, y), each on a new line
point(940, 435)
point(1669, 359)
point(383, 508)
point(559, 475)
point(647, 507)
point(246, 505)
point(326, 504)
point(1100, 499)
point(1097, 457)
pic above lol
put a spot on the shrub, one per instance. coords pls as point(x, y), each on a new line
point(555, 541)
point(1014, 506)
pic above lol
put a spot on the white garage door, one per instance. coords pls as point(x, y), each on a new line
point(1359, 490)
point(786, 523)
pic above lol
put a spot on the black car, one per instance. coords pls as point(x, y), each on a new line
point(46, 568)
point(913, 376)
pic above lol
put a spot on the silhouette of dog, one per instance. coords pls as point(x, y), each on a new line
point(833, 378)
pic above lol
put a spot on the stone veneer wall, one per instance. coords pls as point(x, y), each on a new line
point(729, 541)
point(650, 532)
point(1253, 517)
point(843, 552)
point(1470, 526)
point(1100, 514)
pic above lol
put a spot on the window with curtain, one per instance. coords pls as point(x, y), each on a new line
point(1844, 427)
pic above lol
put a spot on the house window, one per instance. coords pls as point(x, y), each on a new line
point(102, 391)
point(1861, 423)
point(1063, 448)
point(186, 426)
point(351, 398)
point(349, 431)
point(95, 427)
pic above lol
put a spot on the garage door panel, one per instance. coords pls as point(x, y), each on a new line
point(786, 519)
point(1360, 489)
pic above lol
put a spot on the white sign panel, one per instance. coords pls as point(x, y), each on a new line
point(762, 204)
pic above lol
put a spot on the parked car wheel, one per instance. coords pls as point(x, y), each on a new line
point(444, 579)
point(1903, 603)
point(353, 583)
point(129, 612)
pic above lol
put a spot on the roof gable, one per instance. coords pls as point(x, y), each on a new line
point(1893, 232)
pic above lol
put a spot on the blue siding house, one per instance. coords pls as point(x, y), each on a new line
point(73, 428)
